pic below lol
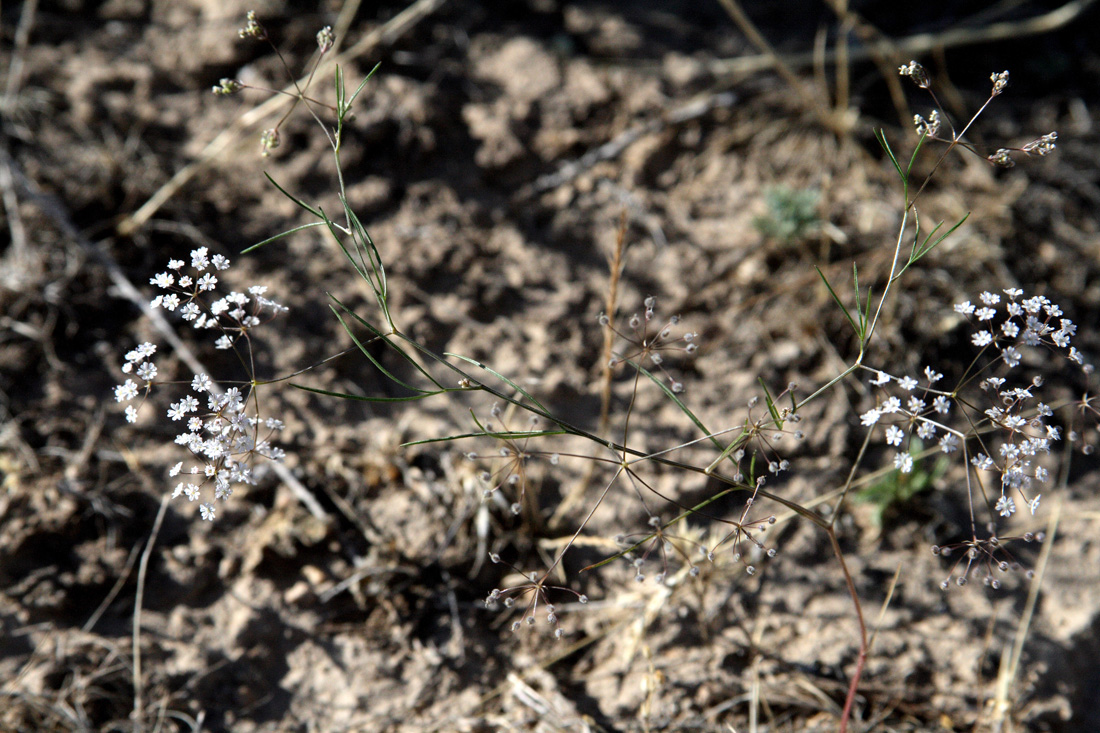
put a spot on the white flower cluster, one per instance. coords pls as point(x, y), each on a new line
point(1012, 325)
point(233, 314)
point(1024, 322)
point(1026, 437)
point(924, 409)
point(225, 439)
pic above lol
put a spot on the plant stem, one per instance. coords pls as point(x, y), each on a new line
point(861, 660)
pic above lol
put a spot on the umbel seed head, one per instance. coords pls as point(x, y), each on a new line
point(915, 72)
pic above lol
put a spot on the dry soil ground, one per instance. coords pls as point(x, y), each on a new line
point(492, 158)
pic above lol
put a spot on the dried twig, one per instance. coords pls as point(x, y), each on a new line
point(916, 44)
point(613, 148)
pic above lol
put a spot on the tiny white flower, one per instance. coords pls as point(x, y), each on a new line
point(903, 462)
point(881, 378)
point(990, 298)
point(982, 338)
point(207, 283)
point(1034, 305)
point(965, 308)
point(868, 418)
point(199, 260)
point(982, 462)
point(163, 280)
point(949, 443)
point(926, 430)
point(986, 314)
point(941, 404)
point(894, 435)
point(1033, 505)
point(890, 406)
point(207, 512)
point(126, 391)
point(1006, 506)
point(131, 414)
point(932, 375)
point(908, 383)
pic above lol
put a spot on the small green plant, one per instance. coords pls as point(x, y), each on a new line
point(896, 489)
point(792, 214)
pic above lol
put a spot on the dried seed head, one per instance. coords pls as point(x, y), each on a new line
point(1002, 158)
point(929, 127)
point(252, 28)
point(915, 72)
point(1000, 81)
point(227, 86)
point(325, 39)
point(269, 140)
point(1042, 146)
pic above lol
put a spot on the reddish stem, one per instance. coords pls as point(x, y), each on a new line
point(861, 660)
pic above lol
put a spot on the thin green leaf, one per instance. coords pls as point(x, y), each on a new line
point(672, 396)
point(913, 157)
point(362, 84)
point(337, 234)
point(363, 398)
point(287, 233)
point(881, 137)
point(926, 247)
point(363, 349)
point(489, 434)
point(836, 298)
point(771, 404)
point(341, 108)
point(384, 337)
point(363, 238)
point(502, 378)
point(292, 197)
